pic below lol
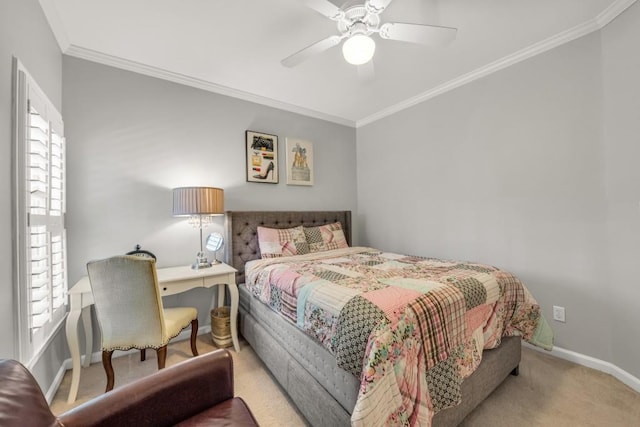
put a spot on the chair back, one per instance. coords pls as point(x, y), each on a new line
point(127, 302)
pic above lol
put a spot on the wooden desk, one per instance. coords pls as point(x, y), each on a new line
point(172, 280)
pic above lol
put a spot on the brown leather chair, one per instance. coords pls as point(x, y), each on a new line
point(195, 392)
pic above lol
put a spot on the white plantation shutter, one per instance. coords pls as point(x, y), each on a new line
point(40, 207)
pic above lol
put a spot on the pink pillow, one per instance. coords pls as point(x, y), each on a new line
point(325, 237)
point(278, 242)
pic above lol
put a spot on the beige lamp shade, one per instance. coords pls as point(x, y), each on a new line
point(188, 201)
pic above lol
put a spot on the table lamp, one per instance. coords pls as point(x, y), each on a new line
point(200, 204)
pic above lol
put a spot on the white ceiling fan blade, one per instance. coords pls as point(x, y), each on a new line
point(377, 6)
point(417, 33)
point(309, 51)
point(326, 8)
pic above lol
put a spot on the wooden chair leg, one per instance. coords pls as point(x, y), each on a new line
point(143, 354)
point(162, 356)
point(108, 368)
point(194, 336)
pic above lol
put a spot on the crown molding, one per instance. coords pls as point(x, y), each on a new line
point(55, 22)
point(599, 22)
point(610, 13)
point(148, 70)
point(67, 48)
point(571, 34)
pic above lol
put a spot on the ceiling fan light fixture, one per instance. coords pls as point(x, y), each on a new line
point(358, 49)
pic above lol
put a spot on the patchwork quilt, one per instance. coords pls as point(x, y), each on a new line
point(410, 328)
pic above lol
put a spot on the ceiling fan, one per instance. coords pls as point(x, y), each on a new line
point(356, 22)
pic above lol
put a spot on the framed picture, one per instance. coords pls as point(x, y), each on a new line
point(299, 162)
point(262, 157)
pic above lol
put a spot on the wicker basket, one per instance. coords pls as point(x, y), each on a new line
point(221, 326)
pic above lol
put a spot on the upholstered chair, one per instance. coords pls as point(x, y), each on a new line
point(129, 309)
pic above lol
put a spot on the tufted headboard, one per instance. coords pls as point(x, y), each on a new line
point(242, 230)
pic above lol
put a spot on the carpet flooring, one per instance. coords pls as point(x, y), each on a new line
point(548, 392)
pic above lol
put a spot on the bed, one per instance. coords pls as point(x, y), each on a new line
point(323, 392)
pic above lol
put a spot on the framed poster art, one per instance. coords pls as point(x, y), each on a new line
point(262, 157)
point(299, 162)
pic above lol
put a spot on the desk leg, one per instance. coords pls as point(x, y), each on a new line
point(220, 296)
point(88, 335)
point(235, 298)
point(71, 328)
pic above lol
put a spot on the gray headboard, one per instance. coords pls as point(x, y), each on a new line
point(242, 230)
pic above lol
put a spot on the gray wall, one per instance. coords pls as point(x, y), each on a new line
point(131, 138)
point(621, 71)
point(25, 34)
point(529, 169)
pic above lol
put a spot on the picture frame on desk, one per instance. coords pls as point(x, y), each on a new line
point(262, 157)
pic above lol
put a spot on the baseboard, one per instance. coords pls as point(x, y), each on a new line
point(591, 362)
point(97, 357)
point(559, 352)
point(53, 389)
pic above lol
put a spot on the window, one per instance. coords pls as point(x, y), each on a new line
point(39, 216)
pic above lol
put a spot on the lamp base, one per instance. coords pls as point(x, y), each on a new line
point(201, 262)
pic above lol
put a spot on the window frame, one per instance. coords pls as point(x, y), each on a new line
point(31, 339)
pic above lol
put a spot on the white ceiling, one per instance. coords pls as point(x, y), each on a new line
point(234, 47)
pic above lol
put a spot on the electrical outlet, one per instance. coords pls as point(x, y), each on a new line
point(558, 313)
